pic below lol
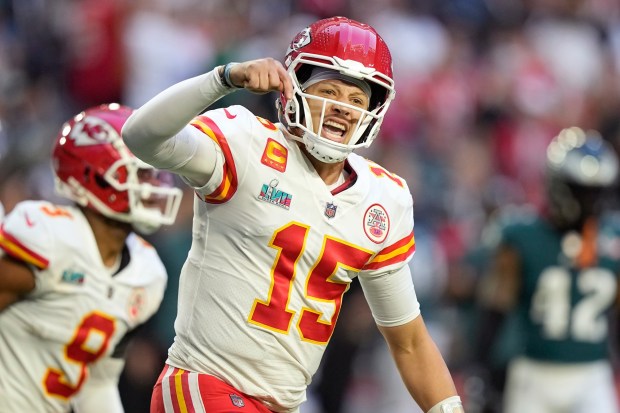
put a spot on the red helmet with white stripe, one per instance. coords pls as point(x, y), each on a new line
point(352, 49)
point(94, 168)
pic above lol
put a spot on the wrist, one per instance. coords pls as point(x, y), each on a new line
point(449, 405)
point(224, 75)
point(211, 87)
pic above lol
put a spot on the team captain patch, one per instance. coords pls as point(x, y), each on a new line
point(376, 223)
point(275, 155)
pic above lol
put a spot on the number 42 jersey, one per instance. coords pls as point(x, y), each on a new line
point(565, 301)
point(274, 251)
point(78, 311)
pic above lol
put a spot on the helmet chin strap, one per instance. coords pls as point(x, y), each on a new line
point(323, 152)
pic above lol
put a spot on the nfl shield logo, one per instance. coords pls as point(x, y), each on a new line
point(236, 400)
point(330, 210)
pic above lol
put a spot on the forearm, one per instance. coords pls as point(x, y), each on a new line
point(149, 130)
point(425, 375)
point(420, 364)
point(158, 133)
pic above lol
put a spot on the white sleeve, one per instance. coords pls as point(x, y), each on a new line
point(159, 133)
point(391, 297)
point(100, 391)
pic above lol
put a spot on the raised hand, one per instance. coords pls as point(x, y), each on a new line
point(262, 76)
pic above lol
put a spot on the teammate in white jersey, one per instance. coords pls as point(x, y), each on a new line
point(285, 216)
point(74, 280)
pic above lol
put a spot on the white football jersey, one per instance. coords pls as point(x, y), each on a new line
point(78, 311)
point(273, 253)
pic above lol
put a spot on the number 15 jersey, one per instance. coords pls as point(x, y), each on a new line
point(273, 253)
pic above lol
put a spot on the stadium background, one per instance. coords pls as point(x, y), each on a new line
point(482, 87)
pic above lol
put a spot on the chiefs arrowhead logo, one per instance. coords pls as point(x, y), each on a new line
point(91, 131)
point(302, 39)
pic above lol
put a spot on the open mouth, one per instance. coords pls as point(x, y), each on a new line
point(333, 131)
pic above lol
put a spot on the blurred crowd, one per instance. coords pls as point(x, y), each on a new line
point(482, 86)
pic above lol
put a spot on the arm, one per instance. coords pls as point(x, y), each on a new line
point(16, 280)
point(395, 308)
point(100, 391)
point(498, 295)
point(157, 132)
point(421, 365)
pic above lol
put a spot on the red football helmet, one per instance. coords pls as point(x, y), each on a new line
point(353, 49)
point(94, 168)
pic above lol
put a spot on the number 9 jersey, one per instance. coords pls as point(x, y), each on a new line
point(274, 251)
point(78, 311)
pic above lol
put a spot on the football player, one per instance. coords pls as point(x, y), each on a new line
point(76, 279)
point(286, 215)
point(557, 274)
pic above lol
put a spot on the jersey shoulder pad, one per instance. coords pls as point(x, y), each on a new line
point(239, 113)
point(516, 224)
point(29, 232)
point(146, 256)
point(380, 178)
point(234, 125)
point(223, 119)
point(505, 220)
point(259, 127)
point(516, 215)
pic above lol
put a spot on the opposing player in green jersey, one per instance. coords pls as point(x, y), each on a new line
point(557, 272)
